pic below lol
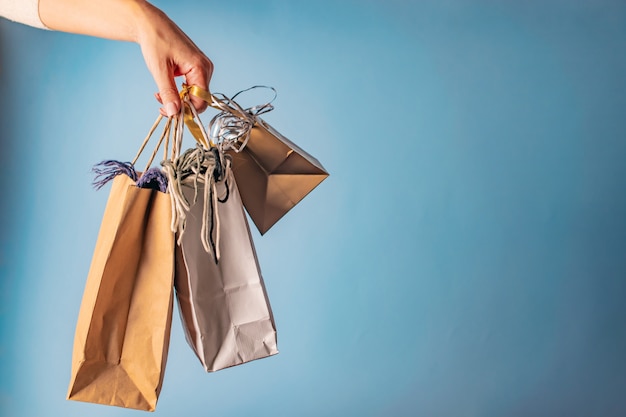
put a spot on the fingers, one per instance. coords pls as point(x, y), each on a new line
point(168, 93)
point(161, 110)
point(170, 53)
point(199, 104)
point(200, 75)
point(192, 78)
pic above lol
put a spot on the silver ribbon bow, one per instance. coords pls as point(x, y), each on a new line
point(231, 127)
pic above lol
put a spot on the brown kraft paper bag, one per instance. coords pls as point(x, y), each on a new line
point(123, 329)
point(274, 174)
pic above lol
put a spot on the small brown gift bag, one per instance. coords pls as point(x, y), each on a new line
point(123, 329)
point(223, 303)
point(273, 174)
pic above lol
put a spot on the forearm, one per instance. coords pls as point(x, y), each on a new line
point(111, 19)
point(168, 52)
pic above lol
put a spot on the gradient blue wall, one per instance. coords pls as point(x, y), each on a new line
point(467, 257)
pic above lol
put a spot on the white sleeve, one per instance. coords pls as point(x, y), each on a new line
point(23, 11)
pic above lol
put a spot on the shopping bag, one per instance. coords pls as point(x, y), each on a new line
point(223, 303)
point(273, 173)
point(123, 329)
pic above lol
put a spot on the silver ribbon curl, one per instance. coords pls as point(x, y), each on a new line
point(231, 127)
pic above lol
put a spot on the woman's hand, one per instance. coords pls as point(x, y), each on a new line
point(170, 53)
point(167, 50)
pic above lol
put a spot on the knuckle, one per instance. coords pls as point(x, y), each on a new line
point(167, 91)
point(200, 105)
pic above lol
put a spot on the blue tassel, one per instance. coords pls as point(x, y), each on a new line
point(107, 170)
point(154, 179)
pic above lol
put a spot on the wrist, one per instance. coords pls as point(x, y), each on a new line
point(142, 12)
point(147, 20)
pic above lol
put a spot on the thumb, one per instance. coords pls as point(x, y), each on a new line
point(168, 93)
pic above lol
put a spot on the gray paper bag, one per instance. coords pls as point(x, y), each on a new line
point(224, 306)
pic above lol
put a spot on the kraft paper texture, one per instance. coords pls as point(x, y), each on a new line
point(273, 175)
point(123, 329)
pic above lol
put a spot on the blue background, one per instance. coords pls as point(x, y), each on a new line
point(465, 258)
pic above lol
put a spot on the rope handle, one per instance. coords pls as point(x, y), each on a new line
point(173, 130)
point(188, 115)
point(196, 128)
